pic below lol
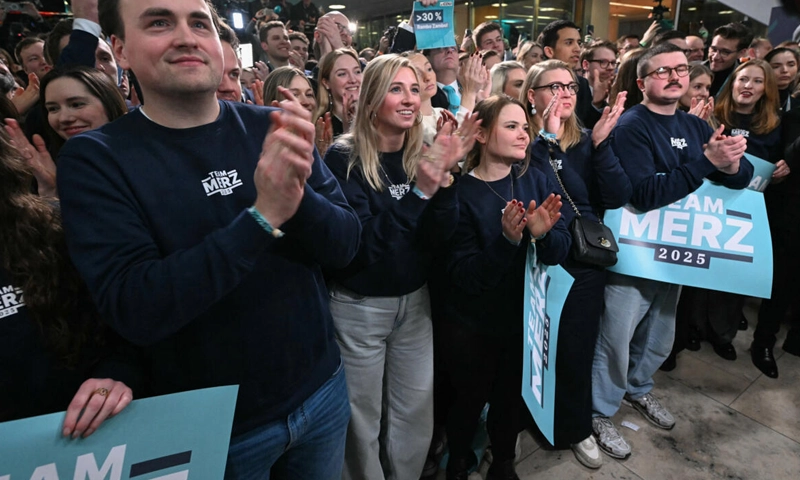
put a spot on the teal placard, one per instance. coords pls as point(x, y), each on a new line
point(762, 173)
point(715, 238)
point(172, 437)
point(433, 25)
point(546, 290)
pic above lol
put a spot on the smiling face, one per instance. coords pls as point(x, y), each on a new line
point(175, 50)
point(427, 81)
point(508, 138)
point(748, 88)
point(345, 78)
point(666, 91)
point(277, 44)
point(723, 53)
point(543, 96)
point(399, 109)
point(71, 108)
point(784, 65)
point(698, 89)
point(33, 60)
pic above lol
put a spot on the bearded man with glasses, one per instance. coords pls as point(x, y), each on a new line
point(666, 153)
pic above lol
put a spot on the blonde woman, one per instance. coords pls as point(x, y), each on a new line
point(507, 78)
point(380, 302)
point(590, 179)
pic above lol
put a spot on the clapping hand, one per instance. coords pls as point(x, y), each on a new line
point(540, 220)
point(608, 120)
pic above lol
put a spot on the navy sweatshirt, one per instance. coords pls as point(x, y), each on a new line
point(593, 177)
point(486, 271)
point(33, 381)
point(156, 224)
point(399, 230)
point(766, 146)
point(663, 156)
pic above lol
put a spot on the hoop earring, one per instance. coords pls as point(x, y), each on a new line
point(418, 120)
point(533, 110)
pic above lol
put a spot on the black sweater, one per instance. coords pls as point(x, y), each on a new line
point(399, 230)
point(593, 177)
point(664, 158)
point(156, 224)
point(485, 269)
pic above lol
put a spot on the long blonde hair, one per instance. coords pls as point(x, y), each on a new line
point(572, 128)
point(364, 138)
point(324, 98)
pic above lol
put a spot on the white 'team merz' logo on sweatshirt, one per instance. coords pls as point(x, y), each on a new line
point(222, 182)
point(740, 132)
point(10, 300)
point(679, 143)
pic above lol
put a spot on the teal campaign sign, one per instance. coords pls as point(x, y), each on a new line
point(433, 25)
point(173, 437)
point(546, 290)
point(714, 238)
point(762, 173)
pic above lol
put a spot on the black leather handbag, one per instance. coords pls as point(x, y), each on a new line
point(593, 243)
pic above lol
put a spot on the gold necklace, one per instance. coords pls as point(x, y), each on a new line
point(503, 210)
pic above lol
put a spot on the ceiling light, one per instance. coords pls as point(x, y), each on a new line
point(628, 5)
point(336, 7)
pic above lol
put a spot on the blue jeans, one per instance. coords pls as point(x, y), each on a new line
point(306, 445)
point(636, 334)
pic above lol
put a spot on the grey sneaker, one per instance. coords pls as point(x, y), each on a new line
point(608, 438)
point(653, 411)
point(587, 452)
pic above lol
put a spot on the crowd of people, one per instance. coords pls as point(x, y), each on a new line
point(345, 237)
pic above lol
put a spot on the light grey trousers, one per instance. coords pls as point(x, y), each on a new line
point(387, 348)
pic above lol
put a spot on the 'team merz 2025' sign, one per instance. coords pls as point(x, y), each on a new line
point(714, 238)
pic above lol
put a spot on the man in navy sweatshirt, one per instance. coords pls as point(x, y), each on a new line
point(666, 153)
point(201, 228)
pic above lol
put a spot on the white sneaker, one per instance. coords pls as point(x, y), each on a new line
point(587, 452)
point(609, 439)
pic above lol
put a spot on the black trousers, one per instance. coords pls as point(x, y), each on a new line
point(577, 336)
point(483, 368)
point(712, 314)
point(785, 290)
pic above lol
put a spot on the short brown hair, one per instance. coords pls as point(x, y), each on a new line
point(262, 34)
point(62, 29)
point(298, 36)
point(111, 18)
point(23, 44)
point(483, 29)
point(227, 35)
point(588, 52)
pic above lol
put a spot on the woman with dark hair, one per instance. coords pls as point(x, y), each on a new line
point(784, 63)
point(504, 208)
point(76, 100)
point(590, 178)
point(55, 353)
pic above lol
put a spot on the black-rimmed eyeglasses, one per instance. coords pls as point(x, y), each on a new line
point(558, 87)
point(664, 73)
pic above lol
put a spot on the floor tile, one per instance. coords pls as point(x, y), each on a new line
point(707, 379)
point(561, 464)
point(709, 441)
point(775, 402)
